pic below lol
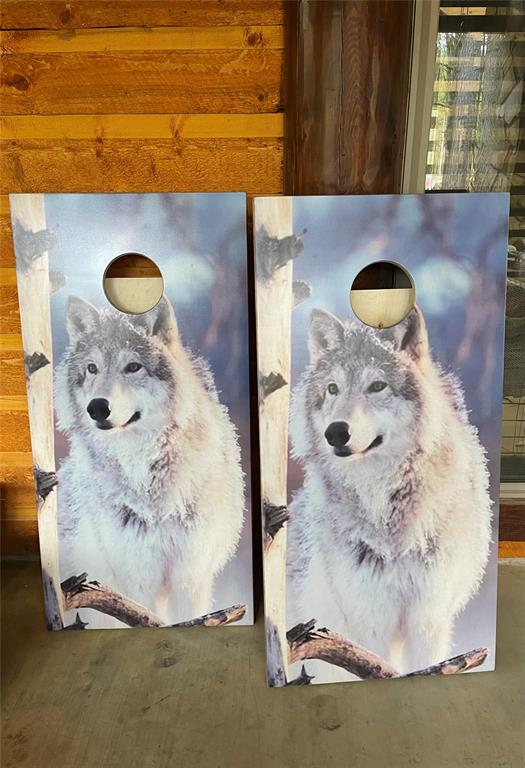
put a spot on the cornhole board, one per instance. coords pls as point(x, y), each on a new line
point(380, 440)
point(140, 422)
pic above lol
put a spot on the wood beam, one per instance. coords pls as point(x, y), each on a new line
point(346, 95)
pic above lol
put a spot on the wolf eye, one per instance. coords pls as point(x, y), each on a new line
point(92, 368)
point(377, 386)
point(333, 388)
point(132, 368)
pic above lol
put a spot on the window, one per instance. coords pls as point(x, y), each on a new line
point(477, 143)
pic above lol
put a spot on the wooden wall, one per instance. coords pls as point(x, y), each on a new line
point(131, 95)
point(124, 96)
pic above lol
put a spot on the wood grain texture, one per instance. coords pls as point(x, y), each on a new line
point(512, 521)
point(150, 81)
point(347, 79)
point(19, 537)
point(79, 14)
point(142, 39)
point(139, 699)
point(511, 549)
point(121, 165)
point(9, 314)
point(14, 428)
point(12, 367)
point(196, 126)
point(125, 96)
point(7, 256)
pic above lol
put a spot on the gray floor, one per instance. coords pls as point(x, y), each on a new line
point(197, 697)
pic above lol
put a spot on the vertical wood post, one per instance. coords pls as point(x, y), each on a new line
point(346, 95)
point(31, 242)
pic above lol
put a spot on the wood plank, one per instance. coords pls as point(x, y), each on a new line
point(14, 428)
point(7, 256)
point(9, 313)
point(347, 81)
point(11, 342)
point(194, 699)
point(12, 379)
point(198, 126)
point(143, 39)
point(15, 460)
point(17, 490)
point(18, 512)
point(250, 165)
point(7, 276)
point(512, 521)
point(511, 549)
point(12, 403)
point(19, 537)
point(180, 81)
point(57, 14)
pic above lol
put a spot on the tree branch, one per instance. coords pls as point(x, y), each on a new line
point(302, 679)
point(456, 664)
point(79, 593)
point(275, 516)
point(307, 642)
point(216, 618)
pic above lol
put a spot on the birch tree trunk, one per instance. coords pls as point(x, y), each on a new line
point(31, 243)
point(273, 232)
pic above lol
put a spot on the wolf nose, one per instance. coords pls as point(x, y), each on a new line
point(337, 434)
point(98, 409)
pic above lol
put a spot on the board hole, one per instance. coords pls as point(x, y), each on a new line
point(133, 283)
point(382, 294)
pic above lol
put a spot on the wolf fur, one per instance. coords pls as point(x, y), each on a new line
point(151, 495)
point(389, 535)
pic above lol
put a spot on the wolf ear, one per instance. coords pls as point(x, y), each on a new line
point(326, 332)
point(81, 317)
point(410, 335)
point(159, 321)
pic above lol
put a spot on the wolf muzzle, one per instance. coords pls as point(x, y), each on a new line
point(99, 409)
point(337, 434)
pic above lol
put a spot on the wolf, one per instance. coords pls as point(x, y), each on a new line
point(389, 534)
point(151, 494)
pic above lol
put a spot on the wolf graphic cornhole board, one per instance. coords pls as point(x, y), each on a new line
point(380, 440)
point(139, 421)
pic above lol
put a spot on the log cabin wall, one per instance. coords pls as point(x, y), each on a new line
point(187, 95)
point(124, 96)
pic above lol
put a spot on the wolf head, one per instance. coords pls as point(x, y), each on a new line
point(362, 393)
point(117, 374)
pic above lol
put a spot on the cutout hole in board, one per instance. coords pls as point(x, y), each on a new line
point(133, 283)
point(382, 294)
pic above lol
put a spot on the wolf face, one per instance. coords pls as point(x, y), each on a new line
point(362, 390)
point(119, 377)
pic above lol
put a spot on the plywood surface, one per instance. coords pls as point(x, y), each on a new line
point(164, 698)
point(124, 96)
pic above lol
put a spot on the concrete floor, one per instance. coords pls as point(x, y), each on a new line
point(197, 698)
